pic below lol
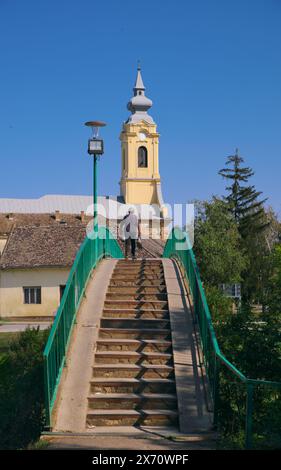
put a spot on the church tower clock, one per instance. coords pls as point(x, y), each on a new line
point(140, 180)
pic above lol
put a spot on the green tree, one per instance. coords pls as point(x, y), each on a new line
point(243, 199)
point(259, 246)
point(274, 284)
point(244, 202)
point(217, 245)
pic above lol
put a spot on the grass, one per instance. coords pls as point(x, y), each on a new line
point(5, 340)
point(41, 444)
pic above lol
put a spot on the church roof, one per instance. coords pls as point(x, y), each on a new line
point(109, 207)
point(67, 204)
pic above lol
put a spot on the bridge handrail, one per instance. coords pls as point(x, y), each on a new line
point(87, 258)
point(212, 355)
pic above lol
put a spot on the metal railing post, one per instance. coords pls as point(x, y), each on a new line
point(47, 393)
point(216, 392)
point(249, 417)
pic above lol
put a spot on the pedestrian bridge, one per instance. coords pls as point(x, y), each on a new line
point(133, 345)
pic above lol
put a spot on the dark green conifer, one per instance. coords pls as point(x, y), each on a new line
point(242, 199)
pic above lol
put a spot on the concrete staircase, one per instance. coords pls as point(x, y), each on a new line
point(133, 380)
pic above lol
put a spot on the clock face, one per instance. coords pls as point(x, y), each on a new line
point(142, 136)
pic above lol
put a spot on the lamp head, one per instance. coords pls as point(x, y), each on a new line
point(95, 145)
point(95, 126)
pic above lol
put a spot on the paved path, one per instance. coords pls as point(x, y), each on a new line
point(194, 417)
point(130, 438)
point(16, 327)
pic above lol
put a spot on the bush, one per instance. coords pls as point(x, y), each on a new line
point(255, 349)
point(22, 390)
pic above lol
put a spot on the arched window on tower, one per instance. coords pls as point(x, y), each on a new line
point(142, 157)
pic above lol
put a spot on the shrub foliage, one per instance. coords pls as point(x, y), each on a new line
point(22, 390)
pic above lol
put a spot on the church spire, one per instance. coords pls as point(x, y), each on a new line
point(139, 104)
point(139, 82)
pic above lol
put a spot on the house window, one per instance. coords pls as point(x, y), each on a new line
point(142, 157)
point(32, 295)
point(62, 287)
point(232, 290)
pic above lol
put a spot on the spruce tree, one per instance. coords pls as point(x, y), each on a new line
point(242, 199)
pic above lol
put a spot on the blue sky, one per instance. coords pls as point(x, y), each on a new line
point(211, 67)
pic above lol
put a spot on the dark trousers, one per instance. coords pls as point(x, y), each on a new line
point(132, 242)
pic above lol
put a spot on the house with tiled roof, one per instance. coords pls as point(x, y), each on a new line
point(37, 251)
point(35, 262)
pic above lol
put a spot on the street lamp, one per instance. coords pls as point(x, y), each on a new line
point(95, 148)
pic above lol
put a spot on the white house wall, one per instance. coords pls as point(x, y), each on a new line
point(12, 296)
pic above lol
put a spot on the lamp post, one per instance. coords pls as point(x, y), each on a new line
point(95, 148)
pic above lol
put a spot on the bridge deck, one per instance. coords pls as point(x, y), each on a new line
point(71, 406)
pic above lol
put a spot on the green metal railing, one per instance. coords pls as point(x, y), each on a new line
point(87, 258)
point(179, 248)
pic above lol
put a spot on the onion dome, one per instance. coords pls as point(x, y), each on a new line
point(139, 104)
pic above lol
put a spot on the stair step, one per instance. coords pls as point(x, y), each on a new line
point(137, 304)
point(134, 313)
point(138, 271)
point(134, 322)
point(138, 296)
point(139, 265)
point(129, 385)
point(133, 345)
point(127, 357)
point(132, 396)
point(133, 370)
point(137, 342)
point(138, 277)
point(136, 401)
point(132, 277)
point(140, 262)
point(136, 290)
point(145, 333)
point(131, 417)
point(144, 261)
point(136, 283)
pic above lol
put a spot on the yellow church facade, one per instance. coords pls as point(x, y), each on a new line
point(140, 168)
